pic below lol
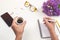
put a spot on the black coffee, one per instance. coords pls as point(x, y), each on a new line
point(20, 20)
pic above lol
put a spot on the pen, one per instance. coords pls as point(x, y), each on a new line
point(55, 21)
point(51, 20)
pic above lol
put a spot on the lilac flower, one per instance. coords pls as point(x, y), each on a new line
point(52, 7)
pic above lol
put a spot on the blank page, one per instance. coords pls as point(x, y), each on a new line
point(44, 31)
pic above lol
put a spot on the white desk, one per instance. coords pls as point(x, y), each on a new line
point(14, 6)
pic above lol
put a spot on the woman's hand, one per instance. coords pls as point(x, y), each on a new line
point(50, 25)
point(18, 29)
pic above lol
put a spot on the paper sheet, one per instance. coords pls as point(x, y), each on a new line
point(44, 31)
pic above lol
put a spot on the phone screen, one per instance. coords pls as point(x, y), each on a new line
point(7, 18)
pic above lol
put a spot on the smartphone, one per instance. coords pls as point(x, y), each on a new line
point(7, 18)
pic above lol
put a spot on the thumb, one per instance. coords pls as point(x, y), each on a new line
point(46, 21)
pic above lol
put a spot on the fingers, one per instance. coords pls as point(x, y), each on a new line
point(45, 21)
point(14, 22)
point(48, 18)
point(15, 19)
point(23, 24)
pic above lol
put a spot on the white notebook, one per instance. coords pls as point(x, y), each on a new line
point(44, 32)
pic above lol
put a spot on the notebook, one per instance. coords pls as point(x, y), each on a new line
point(44, 32)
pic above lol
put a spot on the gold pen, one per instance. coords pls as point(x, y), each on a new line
point(55, 22)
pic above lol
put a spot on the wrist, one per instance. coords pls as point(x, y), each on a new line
point(52, 31)
point(18, 37)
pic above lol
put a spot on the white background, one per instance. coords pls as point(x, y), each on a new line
point(16, 8)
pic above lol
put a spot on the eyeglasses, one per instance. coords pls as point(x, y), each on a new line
point(32, 8)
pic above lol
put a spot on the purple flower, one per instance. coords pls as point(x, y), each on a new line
point(52, 7)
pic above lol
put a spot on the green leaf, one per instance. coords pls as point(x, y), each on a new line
point(59, 6)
